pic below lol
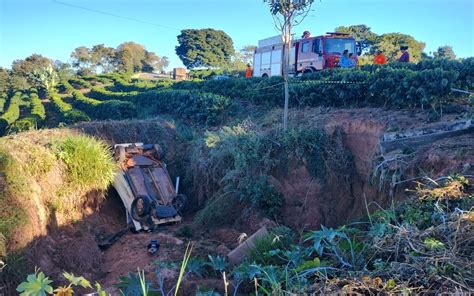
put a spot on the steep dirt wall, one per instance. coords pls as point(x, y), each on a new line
point(310, 202)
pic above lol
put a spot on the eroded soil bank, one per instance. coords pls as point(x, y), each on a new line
point(71, 243)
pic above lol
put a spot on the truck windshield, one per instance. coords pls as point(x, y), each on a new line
point(339, 45)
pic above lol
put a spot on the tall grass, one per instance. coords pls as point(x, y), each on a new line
point(89, 161)
point(184, 263)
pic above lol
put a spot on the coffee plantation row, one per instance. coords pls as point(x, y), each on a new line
point(427, 84)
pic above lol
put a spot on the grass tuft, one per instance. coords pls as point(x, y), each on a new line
point(89, 161)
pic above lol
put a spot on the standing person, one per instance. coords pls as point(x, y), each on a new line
point(306, 34)
point(405, 57)
point(379, 58)
point(354, 60)
point(345, 61)
point(248, 72)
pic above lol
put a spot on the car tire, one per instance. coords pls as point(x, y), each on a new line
point(141, 208)
point(179, 203)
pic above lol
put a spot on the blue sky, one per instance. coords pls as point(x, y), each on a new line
point(53, 29)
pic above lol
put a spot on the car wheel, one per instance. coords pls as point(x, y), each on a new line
point(141, 208)
point(179, 203)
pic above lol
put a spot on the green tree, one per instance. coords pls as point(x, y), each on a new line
point(103, 57)
point(204, 48)
point(154, 62)
point(130, 56)
point(133, 57)
point(361, 34)
point(64, 70)
point(4, 80)
point(82, 60)
point(286, 15)
point(390, 44)
point(24, 68)
point(18, 83)
point(445, 52)
point(247, 52)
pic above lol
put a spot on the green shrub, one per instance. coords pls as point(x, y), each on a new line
point(16, 268)
point(3, 127)
point(78, 83)
point(199, 107)
point(185, 231)
point(89, 161)
point(64, 87)
point(75, 116)
point(13, 111)
point(120, 85)
point(220, 210)
point(113, 109)
point(3, 100)
point(59, 104)
point(393, 85)
point(37, 108)
point(67, 113)
point(238, 162)
point(105, 95)
point(22, 125)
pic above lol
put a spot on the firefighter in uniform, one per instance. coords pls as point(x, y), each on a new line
point(248, 72)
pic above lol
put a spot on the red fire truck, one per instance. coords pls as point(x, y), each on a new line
point(306, 55)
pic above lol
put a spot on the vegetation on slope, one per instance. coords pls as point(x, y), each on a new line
point(425, 85)
point(11, 114)
point(67, 113)
point(112, 109)
point(3, 100)
point(78, 163)
point(236, 164)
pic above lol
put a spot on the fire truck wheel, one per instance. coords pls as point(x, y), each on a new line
point(179, 203)
point(141, 208)
point(308, 71)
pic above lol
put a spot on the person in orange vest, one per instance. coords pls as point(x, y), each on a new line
point(248, 72)
point(379, 58)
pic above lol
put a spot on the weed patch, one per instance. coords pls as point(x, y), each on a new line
point(89, 161)
point(238, 162)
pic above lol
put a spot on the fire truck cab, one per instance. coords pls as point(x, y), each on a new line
point(306, 55)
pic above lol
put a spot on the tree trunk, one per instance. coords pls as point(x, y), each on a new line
point(286, 70)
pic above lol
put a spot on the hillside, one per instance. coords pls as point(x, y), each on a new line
point(332, 189)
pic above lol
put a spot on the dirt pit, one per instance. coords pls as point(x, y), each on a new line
point(75, 248)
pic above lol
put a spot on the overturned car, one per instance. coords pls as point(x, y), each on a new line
point(145, 187)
